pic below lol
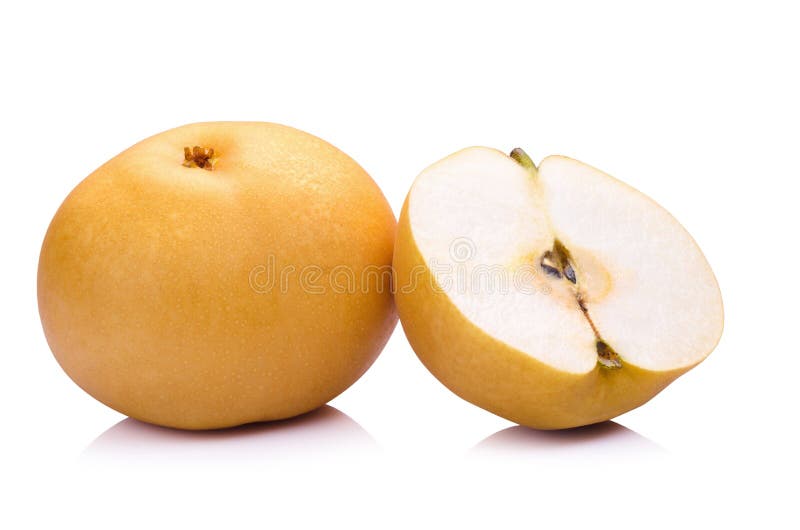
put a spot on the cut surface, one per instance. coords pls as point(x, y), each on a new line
point(568, 265)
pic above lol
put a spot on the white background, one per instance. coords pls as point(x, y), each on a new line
point(695, 103)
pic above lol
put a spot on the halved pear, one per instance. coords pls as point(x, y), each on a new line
point(554, 296)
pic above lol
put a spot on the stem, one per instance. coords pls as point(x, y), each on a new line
point(523, 159)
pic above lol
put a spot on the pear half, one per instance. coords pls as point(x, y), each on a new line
point(554, 296)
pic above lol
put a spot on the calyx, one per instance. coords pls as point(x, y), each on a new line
point(202, 157)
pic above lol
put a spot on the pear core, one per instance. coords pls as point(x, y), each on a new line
point(559, 263)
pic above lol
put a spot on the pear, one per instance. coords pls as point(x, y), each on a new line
point(193, 281)
point(554, 296)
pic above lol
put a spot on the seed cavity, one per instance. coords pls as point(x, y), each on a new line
point(558, 262)
point(549, 265)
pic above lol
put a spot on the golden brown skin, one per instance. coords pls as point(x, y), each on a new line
point(497, 377)
point(153, 277)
